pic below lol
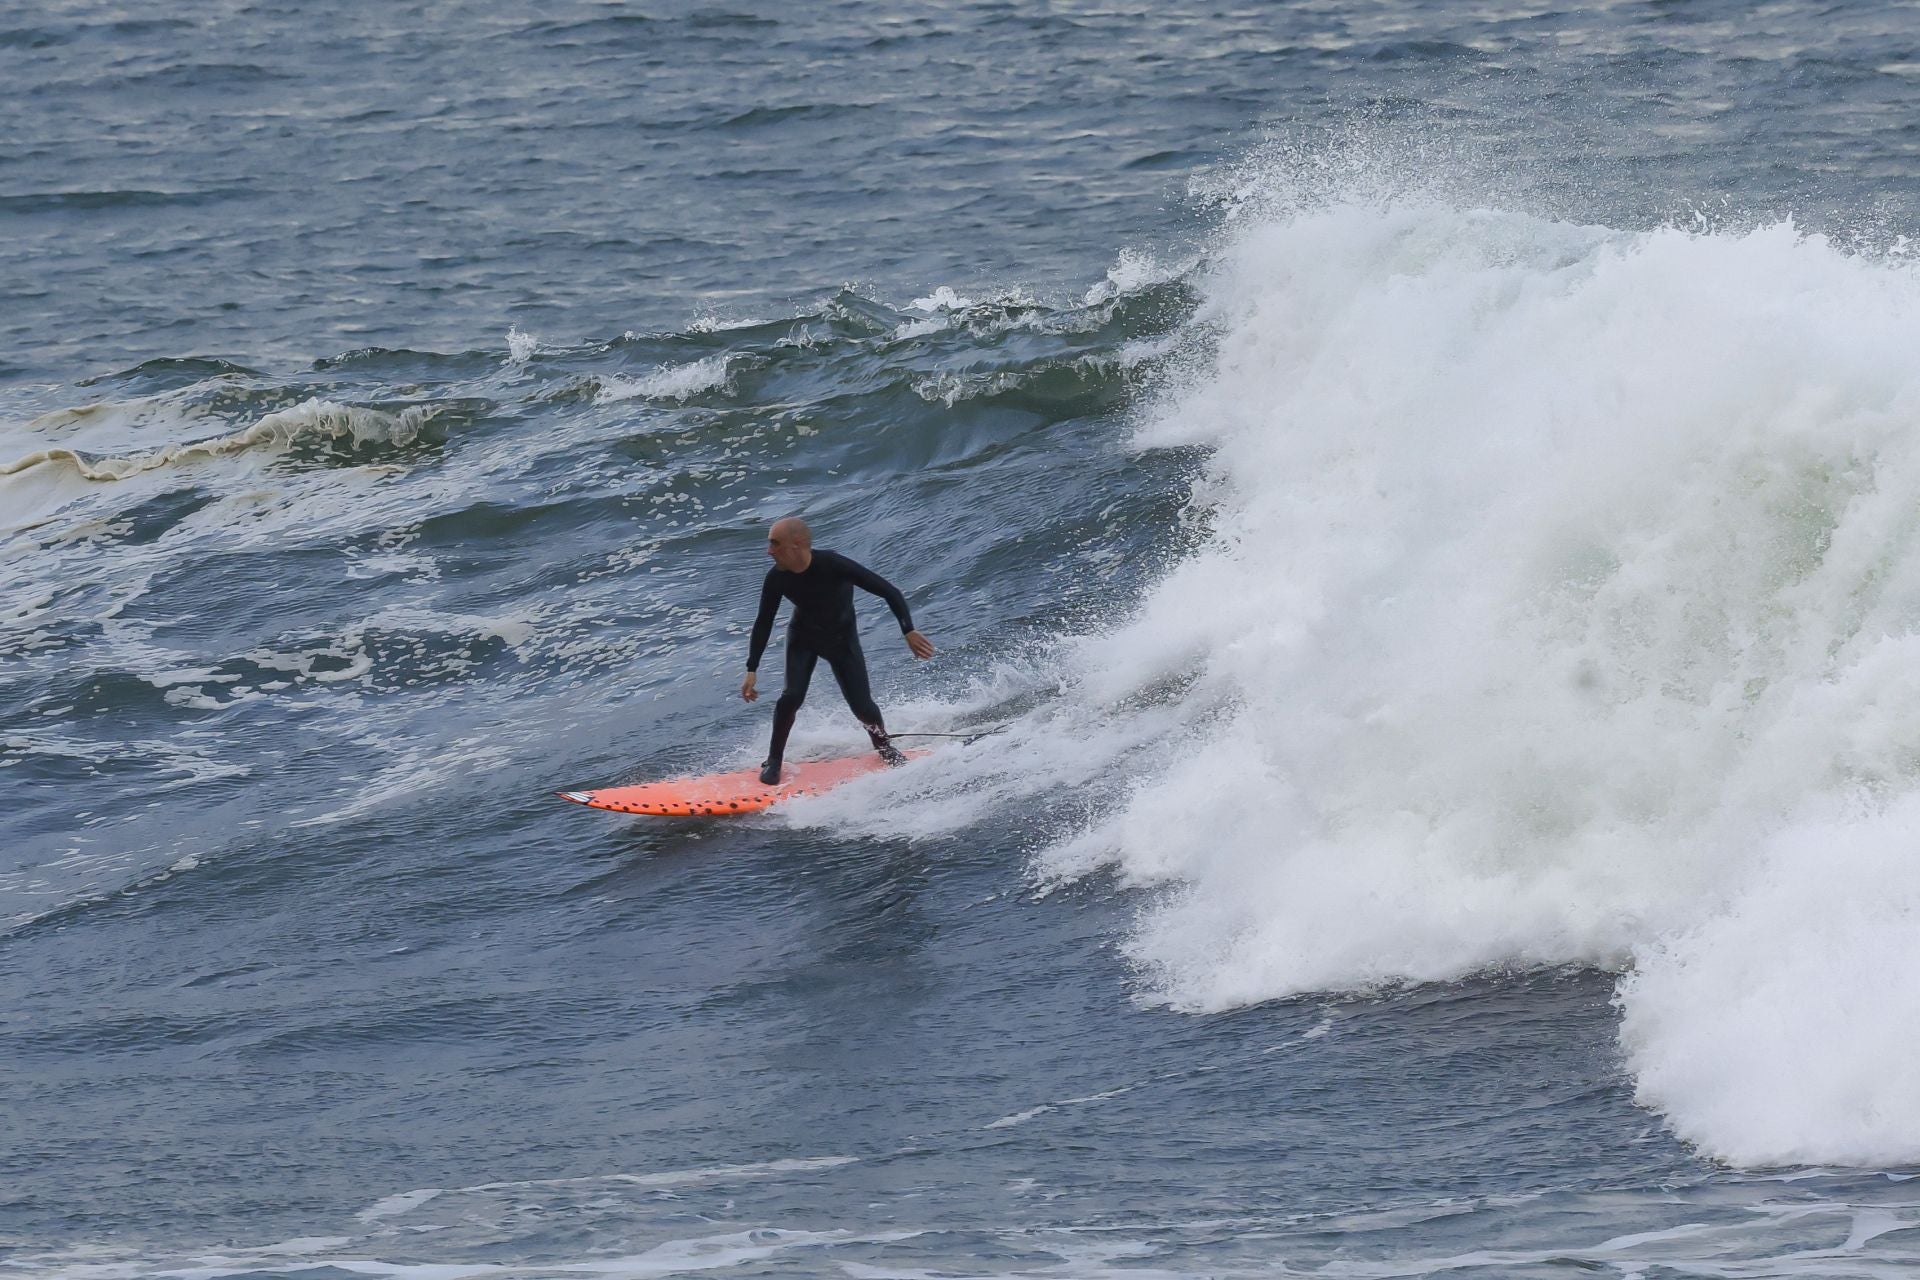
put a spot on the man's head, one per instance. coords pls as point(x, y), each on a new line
point(790, 543)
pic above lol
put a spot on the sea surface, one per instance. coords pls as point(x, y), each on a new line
point(1419, 502)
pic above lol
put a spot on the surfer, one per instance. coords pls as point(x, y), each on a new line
point(820, 584)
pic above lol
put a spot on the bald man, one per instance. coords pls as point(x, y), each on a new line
point(820, 584)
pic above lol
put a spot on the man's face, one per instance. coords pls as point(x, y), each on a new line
point(787, 549)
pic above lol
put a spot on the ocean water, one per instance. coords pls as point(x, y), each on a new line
point(1425, 497)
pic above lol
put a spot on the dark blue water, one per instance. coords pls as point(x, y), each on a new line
point(393, 403)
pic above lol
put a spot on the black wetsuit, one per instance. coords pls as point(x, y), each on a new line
point(823, 626)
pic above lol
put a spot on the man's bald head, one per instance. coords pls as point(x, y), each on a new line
point(790, 543)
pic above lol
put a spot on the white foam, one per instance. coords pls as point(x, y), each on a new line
point(942, 299)
point(670, 382)
point(712, 324)
point(1131, 272)
point(921, 328)
point(1562, 608)
point(1779, 1029)
point(521, 347)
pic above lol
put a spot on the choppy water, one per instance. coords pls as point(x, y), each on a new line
point(1430, 494)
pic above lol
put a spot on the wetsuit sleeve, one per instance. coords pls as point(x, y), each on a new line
point(763, 624)
point(867, 580)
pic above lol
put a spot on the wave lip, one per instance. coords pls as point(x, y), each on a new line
point(313, 419)
point(680, 382)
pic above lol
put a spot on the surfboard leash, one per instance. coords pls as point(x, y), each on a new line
point(964, 737)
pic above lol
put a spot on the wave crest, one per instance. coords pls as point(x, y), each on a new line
point(310, 420)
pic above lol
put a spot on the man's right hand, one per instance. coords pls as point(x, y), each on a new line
point(747, 691)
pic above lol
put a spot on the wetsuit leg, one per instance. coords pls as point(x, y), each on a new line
point(850, 672)
point(801, 658)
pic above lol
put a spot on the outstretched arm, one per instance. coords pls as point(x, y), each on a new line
point(867, 580)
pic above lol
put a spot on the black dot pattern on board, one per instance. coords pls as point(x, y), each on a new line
point(760, 798)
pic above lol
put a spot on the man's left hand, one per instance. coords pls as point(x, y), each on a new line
point(921, 646)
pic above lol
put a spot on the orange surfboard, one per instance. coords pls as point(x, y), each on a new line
point(720, 794)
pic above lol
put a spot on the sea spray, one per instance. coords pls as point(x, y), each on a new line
point(1560, 608)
